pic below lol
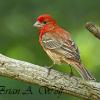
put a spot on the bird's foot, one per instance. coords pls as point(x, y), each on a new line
point(71, 72)
point(49, 69)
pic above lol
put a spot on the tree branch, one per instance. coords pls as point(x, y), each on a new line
point(94, 29)
point(31, 73)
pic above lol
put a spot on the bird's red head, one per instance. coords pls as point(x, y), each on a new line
point(44, 20)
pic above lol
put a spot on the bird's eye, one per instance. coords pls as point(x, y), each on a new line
point(44, 22)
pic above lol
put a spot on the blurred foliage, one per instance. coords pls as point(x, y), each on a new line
point(19, 40)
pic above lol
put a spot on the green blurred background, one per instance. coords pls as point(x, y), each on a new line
point(19, 40)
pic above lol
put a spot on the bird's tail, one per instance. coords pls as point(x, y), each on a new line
point(84, 72)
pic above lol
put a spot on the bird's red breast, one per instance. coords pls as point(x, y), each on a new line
point(55, 31)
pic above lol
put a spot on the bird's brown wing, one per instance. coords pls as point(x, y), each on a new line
point(66, 48)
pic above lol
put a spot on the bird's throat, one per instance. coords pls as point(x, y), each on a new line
point(44, 30)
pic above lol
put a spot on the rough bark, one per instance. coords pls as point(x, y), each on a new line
point(31, 73)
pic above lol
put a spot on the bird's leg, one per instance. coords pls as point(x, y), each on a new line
point(50, 67)
point(71, 71)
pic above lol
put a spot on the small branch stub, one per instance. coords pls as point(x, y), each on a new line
point(94, 29)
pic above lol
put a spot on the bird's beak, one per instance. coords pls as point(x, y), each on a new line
point(37, 24)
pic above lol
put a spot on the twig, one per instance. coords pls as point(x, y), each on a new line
point(94, 29)
point(31, 73)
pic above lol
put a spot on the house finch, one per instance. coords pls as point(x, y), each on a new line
point(59, 46)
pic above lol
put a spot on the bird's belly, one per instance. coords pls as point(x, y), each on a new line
point(58, 58)
point(54, 57)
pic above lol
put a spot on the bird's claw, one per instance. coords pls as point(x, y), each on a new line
point(49, 69)
point(71, 72)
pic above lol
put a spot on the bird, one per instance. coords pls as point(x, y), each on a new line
point(59, 45)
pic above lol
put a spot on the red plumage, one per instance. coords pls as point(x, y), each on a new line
point(59, 45)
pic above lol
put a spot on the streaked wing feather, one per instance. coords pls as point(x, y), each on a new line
point(51, 44)
point(67, 48)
